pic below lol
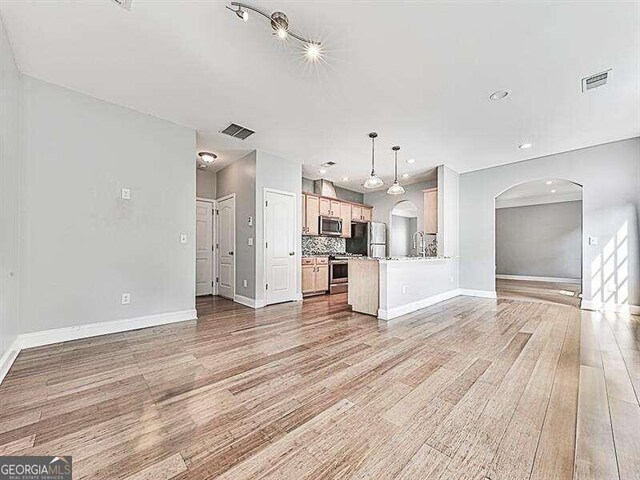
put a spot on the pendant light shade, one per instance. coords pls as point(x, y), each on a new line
point(396, 188)
point(373, 181)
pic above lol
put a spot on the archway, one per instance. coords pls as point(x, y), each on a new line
point(403, 224)
point(538, 241)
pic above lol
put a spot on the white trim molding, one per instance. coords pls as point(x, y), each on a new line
point(248, 302)
point(598, 305)
point(530, 278)
point(478, 293)
point(47, 337)
point(417, 305)
point(8, 358)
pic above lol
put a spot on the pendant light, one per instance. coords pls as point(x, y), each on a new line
point(396, 188)
point(373, 181)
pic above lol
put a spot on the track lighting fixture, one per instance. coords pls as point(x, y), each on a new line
point(280, 24)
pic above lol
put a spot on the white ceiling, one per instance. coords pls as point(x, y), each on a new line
point(419, 73)
point(540, 192)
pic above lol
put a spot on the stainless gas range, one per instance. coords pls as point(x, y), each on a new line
point(339, 272)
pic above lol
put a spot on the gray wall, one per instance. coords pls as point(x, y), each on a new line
point(401, 235)
point(610, 175)
point(240, 178)
point(83, 246)
point(540, 240)
point(205, 184)
point(383, 203)
point(10, 181)
point(280, 174)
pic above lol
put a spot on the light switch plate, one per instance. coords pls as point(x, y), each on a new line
point(126, 194)
point(126, 299)
point(183, 238)
point(244, 283)
point(250, 241)
point(593, 240)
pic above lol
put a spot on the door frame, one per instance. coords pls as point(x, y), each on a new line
point(214, 232)
point(296, 228)
point(235, 240)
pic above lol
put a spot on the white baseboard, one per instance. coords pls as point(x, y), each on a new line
point(540, 279)
point(249, 302)
point(417, 305)
point(47, 337)
point(8, 358)
point(478, 293)
point(609, 307)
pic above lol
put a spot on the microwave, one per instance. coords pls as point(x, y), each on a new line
point(330, 226)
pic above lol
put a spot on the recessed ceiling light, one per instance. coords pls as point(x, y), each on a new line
point(323, 171)
point(405, 175)
point(499, 95)
point(202, 166)
point(524, 146)
point(345, 179)
point(207, 157)
point(548, 182)
point(411, 160)
point(553, 190)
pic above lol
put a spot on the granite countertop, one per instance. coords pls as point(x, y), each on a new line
point(407, 259)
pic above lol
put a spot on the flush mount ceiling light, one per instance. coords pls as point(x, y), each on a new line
point(202, 166)
point(553, 190)
point(373, 181)
point(524, 146)
point(207, 157)
point(499, 95)
point(323, 171)
point(548, 182)
point(280, 24)
point(345, 179)
point(396, 188)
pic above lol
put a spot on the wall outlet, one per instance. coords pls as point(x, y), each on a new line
point(126, 299)
point(126, 194)
point(404, 289)
point(250, 241)
point(245, 284)
point(593, 241)
point(250, 222)
point(183, 238)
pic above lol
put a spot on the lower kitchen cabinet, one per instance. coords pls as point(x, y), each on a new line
point(315, 275)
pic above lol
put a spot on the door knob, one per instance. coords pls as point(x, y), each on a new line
point(292, 253)
point(230, 253)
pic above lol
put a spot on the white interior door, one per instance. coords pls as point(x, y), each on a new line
point(226, 247)
point(204, 248)
point(280, 246)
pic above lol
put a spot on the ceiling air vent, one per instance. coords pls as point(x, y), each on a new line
point(328, 164)
point(595, 81)
point(236, 131)
point(126, 4)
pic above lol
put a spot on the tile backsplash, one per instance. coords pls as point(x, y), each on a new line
point(322, 245)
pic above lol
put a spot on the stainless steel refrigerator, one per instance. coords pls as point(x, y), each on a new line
point(377, 240)
point(369, 239)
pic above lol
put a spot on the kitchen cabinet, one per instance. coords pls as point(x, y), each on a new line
point(356, 213)
point(431, 211)
point(311, 212)
point(325, 207)
point(345, 215)
point(315, 275)
point(335, 208)
point(366, 214)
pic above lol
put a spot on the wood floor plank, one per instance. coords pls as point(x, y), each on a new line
point(467, 388)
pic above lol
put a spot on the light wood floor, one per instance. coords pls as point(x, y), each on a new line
point(546, 292)
point(467, 389)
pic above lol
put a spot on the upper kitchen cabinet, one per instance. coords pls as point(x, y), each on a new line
point(361, 213)
point(366, 214)
point(345, 215)
point(310, 214)
point(431, 211)
point(329, 208)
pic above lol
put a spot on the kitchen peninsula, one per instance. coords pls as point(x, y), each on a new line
point(391, 287)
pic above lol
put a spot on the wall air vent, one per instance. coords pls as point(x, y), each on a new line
point(595, 81)
point(126, 4)
point(328, 164)
point(236, 131)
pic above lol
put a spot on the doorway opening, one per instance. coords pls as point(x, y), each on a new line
point(538, 242)
point(403, 225)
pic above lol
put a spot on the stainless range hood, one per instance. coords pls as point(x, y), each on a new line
point(324, 188)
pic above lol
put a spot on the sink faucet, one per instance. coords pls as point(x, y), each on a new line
point(421, 247)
